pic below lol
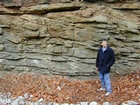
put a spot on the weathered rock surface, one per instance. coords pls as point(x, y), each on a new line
point(63, 38)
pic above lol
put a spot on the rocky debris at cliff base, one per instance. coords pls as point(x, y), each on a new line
point(38, 89)
point(4, 100)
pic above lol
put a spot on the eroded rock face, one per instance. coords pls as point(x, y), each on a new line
point(19, 3)
point(63, 38)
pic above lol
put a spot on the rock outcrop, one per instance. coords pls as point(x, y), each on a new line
point(63, 38)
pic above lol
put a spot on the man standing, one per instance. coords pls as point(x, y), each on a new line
point(105, 59)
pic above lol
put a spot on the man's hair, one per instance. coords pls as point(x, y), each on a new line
point(103, 40)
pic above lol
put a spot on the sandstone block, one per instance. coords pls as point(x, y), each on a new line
point(59, 49)
point(31, 34)
point(31, 26)
point(1, 31)
point(100, 19)
point(84, 53)
point(1, 47)
point(13, 38)
point(13, 47)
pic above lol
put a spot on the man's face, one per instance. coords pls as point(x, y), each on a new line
point(104, 44)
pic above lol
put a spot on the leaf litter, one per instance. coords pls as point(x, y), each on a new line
point(65, 90)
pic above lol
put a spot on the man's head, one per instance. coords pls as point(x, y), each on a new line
point(104, 43)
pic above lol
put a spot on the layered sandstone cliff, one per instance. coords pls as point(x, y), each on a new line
point(63, 37)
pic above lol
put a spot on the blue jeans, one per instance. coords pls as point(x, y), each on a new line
point(105, 81)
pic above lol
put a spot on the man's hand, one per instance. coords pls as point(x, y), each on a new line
point(96, 68)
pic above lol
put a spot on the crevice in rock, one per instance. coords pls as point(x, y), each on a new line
point(42, 12)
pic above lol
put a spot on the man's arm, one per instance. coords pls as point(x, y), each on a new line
point(112, 61)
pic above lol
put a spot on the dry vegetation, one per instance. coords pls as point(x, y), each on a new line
point(62, 90)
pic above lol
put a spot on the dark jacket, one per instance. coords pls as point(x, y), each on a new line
point(105, 60)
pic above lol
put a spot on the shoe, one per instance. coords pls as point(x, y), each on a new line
point(102, 89)
point(107, 93)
